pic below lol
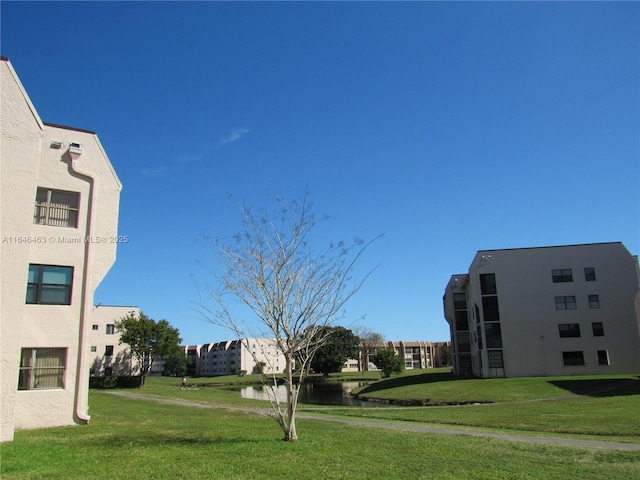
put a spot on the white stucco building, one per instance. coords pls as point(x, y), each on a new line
point(546, 311)
point(59, 201)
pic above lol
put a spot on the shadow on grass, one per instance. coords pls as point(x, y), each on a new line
point(408, 380)
point(141, 439)
point(607, 387)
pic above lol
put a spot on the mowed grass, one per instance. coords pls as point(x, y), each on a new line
point(146, 440)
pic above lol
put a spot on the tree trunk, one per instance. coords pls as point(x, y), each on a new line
point(290, 434)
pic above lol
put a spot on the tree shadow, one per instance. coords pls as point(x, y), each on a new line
point(606, 387)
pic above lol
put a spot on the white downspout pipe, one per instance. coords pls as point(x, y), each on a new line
point(82, 387)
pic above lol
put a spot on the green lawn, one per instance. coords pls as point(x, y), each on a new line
point(145, 440)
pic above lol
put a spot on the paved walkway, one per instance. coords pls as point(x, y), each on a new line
point(405, 426)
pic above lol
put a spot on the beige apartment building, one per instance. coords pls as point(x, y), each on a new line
point(546, 311)
point(59, 201)
point(107, 356)
point(233, 356)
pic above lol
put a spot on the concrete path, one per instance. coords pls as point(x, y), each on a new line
point(404, 426)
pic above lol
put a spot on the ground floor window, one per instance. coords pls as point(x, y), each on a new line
point(573, 358)
point(603, 357)
point(42, 368)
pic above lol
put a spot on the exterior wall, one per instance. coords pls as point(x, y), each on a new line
point(103, 335)
point(417, 355)
point(28, 161)
point(529, 320)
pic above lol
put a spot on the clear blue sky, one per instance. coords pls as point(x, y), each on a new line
point(449, 127)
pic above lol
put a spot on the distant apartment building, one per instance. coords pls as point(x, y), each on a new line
point(107, 356)
point(59, 200)
point(249, 355)
point(546, 311)
point(416, 355)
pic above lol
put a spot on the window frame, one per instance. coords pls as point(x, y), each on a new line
point(562, 300)
point(40, 286)
point(594, 301)
point(562, 275)
point(572, 359)
point(31, 373)
point(597, 328)
point(569, 330)
point(590, 274)
point(70, 213)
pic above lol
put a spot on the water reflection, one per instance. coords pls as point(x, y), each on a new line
point(321, 393)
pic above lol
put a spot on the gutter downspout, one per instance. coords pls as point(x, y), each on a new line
point(82, 395)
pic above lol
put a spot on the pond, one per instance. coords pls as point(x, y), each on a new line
point(317, 393)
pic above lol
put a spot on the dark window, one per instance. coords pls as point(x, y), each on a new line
point(495, 359)
point(490, 309)
point(590, 274)
point(94, 326)
point(603, 357)
point(56, 208)
point(598, 329)
point(569, 330)
point(493, 335)
point(108, 371)
point(94, 349)
point(562, 275)
point(42, 368)
point(110, 329)
point(463, 343)
point(572, 358)
point(459, 301)
point(479, 335)
point(566, 303)
point(488, 284)
point(108, 351)
point(49, 285)
point(462, 320)
point(594, 301)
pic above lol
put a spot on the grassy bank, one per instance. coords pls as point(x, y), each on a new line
point(144, 440)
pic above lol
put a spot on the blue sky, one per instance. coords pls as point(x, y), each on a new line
point(449, 127)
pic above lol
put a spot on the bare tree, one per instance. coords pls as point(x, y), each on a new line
point(292, 292)
point(370, 340)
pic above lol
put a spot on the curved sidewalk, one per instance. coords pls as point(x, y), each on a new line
point(404, 426)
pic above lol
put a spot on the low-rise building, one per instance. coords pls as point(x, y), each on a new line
point(546, 311)
point(107, 356)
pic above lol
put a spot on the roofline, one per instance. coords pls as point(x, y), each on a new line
point(65, 127)
point(549, 246)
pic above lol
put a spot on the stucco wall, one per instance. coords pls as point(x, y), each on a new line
point(29, 162)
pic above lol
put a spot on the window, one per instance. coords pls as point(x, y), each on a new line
point(562, 275)
point(459, 301)
point(572, 358)
point(490, 309)
point(598, 329)
point(56, 208)
point(590, 274)
point(110, 329)
point(488, 284)
point(94, 349)
point(49, 285)
point(566, 303)
point(493, 335)
point(569, 330)
point(495, 359)
point(94, 326)
point(594, 301)
point(42, 368)
point(603, 357)
point(108, 351)
point(462, 320)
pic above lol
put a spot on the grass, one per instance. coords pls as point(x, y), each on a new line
point(145, 440)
